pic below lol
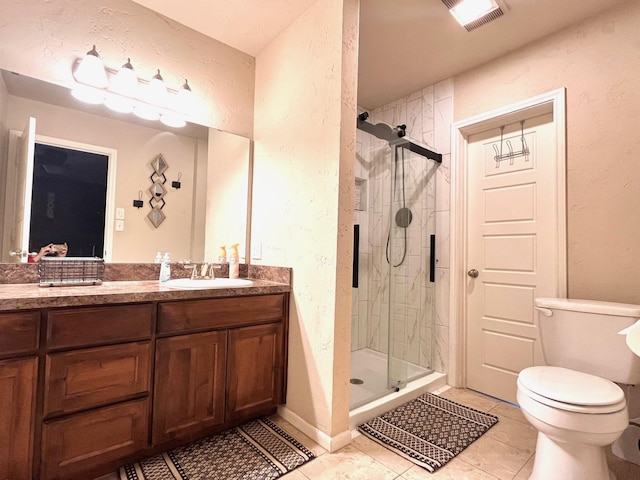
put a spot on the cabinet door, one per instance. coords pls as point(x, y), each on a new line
point(255, 372)
point(17, 389)
point(189, 385)
point(73, 445)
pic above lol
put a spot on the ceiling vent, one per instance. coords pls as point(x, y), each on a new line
point(488, 12)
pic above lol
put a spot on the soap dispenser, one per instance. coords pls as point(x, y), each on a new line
point(165, 268)
point(234, 261)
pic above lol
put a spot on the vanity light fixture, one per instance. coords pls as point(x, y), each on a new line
point(156, 91)
point(472, 14)
point(91, 70)
point(124, 92)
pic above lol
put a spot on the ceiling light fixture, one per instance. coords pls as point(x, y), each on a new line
point(472, 14)
point(122, 91)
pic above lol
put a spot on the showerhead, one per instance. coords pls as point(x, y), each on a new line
point(363, 116)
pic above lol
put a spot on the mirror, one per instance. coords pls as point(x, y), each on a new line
point(201, 164)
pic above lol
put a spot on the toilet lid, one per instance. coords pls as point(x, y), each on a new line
point(571, 387)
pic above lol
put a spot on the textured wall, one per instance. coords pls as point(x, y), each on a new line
point(302, 197)
point(43, 39)
point(598, 63)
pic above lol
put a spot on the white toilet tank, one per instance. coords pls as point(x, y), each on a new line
point(583, 335)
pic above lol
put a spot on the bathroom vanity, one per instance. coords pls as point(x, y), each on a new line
point(92, 378)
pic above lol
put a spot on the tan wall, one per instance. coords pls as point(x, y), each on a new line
point(43, 39)
point(598, 63)
point(304, 155)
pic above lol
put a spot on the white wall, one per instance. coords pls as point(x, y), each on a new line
point(303, 198)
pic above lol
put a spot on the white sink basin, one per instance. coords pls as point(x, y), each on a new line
point(208, 283)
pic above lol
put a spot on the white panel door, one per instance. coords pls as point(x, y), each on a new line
point(19, 237)
point(512, 242)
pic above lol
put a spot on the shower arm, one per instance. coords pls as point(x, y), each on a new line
point(395, 137)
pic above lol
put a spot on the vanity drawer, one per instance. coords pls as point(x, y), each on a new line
point(78, 443)
point(76, 327)
point(91, 377)
point(197, 315)
point(19, 332)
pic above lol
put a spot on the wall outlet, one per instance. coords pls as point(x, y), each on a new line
point(120, 213)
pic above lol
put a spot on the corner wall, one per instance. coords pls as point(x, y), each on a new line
point(302, 208)
point(597, 62)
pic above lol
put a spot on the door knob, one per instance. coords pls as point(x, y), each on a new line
point(473, 273)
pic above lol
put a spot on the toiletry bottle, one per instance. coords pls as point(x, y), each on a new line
point(165, 268)
point(234, 260)
point(158, 258)
point(222, 254)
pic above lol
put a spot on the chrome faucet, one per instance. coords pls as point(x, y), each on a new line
point(205, 271)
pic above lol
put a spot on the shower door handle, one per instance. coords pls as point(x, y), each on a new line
point(356, 256)
point(473, 273)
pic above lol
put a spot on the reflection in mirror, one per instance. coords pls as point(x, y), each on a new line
point(185, 154)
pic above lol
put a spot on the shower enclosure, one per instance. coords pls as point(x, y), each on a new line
point(394, 238)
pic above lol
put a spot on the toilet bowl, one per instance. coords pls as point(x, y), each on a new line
point(576, 415)
point(573, 401)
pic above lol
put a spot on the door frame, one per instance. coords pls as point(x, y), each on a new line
point(112, 163)
point(553, 101)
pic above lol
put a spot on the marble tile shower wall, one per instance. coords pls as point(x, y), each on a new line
point(428, 115)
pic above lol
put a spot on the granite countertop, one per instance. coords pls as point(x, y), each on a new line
point(26, 296)
point(128, 283)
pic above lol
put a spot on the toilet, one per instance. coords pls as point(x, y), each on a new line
point(573, 401)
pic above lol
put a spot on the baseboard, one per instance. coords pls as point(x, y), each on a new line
point(327, 442)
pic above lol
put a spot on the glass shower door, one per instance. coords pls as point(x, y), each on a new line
point(409, 247)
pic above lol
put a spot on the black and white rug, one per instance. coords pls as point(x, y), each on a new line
point(429, 430)
point(257, 450)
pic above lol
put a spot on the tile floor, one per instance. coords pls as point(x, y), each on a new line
point(505, 452)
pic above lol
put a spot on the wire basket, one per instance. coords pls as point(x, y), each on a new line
point(70, 271)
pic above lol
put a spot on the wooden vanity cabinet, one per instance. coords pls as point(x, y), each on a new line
point(86, 389)
point(255, 371)
point(19, 338)
point(17, 398)
point(97, 381)
point(223, 362)
point(189, 385)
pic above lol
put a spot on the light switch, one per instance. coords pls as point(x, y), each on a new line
point(120, 213)
point(256, 251)
point(119, 225)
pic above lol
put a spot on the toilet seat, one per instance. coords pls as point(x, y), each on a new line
point(570, 390)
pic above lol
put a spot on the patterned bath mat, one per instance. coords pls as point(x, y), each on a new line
point(429, 430)
point(257, 450)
